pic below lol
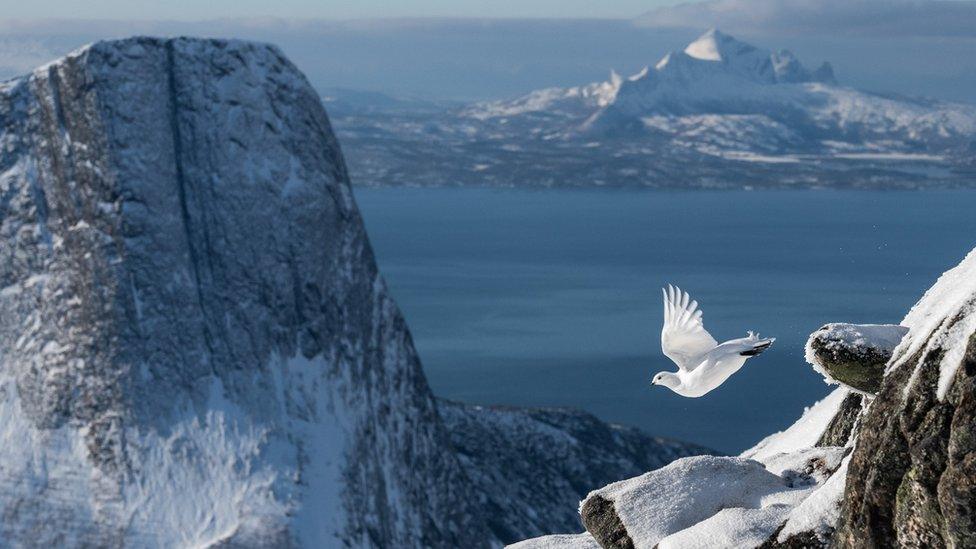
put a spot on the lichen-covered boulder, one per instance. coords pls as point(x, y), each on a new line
point(912, 477)
point(853, 354)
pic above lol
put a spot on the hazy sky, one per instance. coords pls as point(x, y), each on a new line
point(481, 49)
point(331, 9)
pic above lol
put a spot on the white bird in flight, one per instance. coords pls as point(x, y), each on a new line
point(703, 364)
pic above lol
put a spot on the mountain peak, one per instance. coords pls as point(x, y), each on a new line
point(715, 45)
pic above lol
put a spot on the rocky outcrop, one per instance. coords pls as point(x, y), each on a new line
point(196, 347)
point(854, 355)
point(707, 501)
point(896, 470)
point(912, 478)
point(841, 427)
point(531, 467)
point(772, 493)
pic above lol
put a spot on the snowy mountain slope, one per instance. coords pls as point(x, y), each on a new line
point(720, 112)
point(197, 348)
point(533, 465)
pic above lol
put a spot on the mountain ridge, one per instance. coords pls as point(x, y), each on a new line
point(734, 116)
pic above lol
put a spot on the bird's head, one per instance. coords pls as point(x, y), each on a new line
point(667, 379)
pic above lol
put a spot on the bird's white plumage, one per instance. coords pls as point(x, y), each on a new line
point(683, 337)
point(703, 364)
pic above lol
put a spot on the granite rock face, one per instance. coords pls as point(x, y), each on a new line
point(912, 477)
point(854, 354)
point(532, 466)
point(196, 347)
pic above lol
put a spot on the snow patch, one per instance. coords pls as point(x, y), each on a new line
point(951, 299)
point(804, 433)
point(558, 541)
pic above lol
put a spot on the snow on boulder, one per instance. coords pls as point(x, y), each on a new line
point(853, 355)
point(706, 500)
point(558, 541)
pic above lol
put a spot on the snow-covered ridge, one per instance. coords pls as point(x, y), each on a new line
point(944, 318)
point(714, 56)
point(717, 113)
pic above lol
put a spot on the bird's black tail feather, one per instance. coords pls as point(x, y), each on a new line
point(757, 349)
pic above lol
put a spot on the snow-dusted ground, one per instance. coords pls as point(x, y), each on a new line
point(804, 433)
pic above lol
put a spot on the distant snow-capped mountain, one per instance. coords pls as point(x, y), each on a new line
point(750, 87)
point(719, 113)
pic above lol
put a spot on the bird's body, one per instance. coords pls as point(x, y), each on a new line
point(703, 363)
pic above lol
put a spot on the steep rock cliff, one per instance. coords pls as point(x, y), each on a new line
point(912, 478)
point(196, 347)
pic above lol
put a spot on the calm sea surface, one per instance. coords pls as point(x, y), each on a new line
point(552, 298)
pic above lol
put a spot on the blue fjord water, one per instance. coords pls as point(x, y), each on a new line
point(552, 298)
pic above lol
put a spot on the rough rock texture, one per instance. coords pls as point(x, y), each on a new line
point(603, 523)
point(195, 345)
point(841, 427)
point(533, 466)
point(912, 477)
point(854, 354)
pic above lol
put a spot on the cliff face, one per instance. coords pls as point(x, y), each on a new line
point(195, 344)
point(912, 479)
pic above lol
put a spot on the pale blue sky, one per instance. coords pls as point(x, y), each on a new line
point(330, 9)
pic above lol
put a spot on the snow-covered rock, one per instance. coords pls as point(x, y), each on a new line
point(805, 432)
point(784, 491)
point(196, 348)
point(911, 481)
point(853, 355)
point(558, 541)
point(708, 501)
point(533, 466)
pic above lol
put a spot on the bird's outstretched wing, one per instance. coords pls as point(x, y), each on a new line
point(683, 338)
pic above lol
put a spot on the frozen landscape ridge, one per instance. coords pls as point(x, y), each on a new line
point(720, 113)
